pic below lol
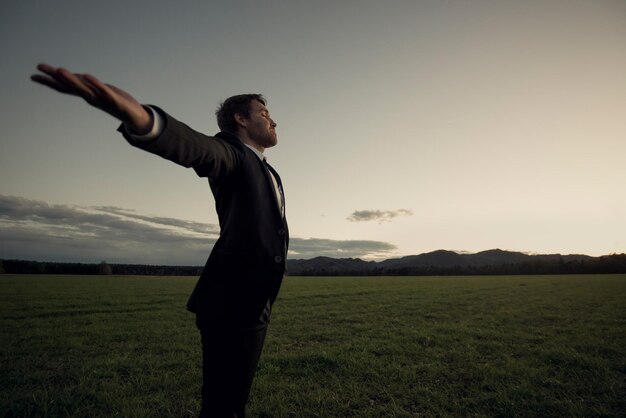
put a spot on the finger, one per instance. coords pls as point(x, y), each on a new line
point(59, 79)
point(45, 68)
point(49, 82)
point(73, 81)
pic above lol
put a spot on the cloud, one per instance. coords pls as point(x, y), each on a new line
point(377, 215)
point(313, 247)
point(191, 226)
point(36, 230)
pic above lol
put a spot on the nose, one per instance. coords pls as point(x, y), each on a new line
point(272, 123)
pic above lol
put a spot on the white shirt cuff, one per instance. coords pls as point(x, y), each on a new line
point(157, 127)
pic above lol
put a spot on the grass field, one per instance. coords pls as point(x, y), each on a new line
point(527, 346)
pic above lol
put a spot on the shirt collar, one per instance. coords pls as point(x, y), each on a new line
point(256, 152)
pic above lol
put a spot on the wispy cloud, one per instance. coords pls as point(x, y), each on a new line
point(313, 247)
point(377, 215)
point(191, 226)
point(33, 229)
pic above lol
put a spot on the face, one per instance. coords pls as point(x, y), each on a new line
point(259, 127)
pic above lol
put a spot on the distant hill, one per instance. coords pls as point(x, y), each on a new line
point(443, 262)
point(443, 258)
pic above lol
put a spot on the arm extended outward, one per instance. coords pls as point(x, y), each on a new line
point(110, 99)
point(177, 142)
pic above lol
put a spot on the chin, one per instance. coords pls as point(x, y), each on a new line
point(271, 142)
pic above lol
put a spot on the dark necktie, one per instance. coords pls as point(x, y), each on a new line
point(278, 190)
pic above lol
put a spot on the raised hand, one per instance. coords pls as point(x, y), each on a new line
point(110, 99)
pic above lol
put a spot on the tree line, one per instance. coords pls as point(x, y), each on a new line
point(609, 264)
point(102, 268)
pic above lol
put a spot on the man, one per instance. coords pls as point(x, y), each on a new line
point(232, 299)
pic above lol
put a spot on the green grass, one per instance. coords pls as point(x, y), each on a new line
point(527, 346)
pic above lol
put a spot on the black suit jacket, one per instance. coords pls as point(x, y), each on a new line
point(246, 266)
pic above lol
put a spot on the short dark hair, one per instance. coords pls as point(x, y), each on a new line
point(236, 104)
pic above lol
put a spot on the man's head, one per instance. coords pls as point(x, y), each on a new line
point(246, 116)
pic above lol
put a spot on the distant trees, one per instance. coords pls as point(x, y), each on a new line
point(104, 268)
point(38, 267)
point(609, 264)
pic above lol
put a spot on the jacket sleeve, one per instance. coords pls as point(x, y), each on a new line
point(209, 156)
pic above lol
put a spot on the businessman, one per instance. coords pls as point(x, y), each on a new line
point(234, 295)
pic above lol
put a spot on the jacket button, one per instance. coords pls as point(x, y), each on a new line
point(278, 259)
point(281, 231)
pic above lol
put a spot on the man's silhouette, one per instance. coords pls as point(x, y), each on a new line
point(233, 298)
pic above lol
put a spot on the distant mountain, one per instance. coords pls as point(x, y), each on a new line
point(439, 258)
point(494, 261)
point(324, 264)
point(443, 258)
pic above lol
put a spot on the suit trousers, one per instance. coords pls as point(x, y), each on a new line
point(229, 361)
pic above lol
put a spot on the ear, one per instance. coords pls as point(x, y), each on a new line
point(241, 120)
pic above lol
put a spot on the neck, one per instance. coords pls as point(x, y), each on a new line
point(255, 146)
point(243, 137)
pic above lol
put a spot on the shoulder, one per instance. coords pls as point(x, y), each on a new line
point(230, 140)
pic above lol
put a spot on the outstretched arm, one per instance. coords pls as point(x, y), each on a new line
point(209, 156)
point(110, 99)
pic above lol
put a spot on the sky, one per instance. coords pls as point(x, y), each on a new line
point(404, 126)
